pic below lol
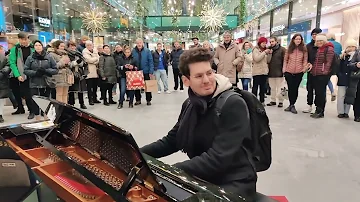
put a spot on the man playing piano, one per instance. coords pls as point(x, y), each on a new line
point(213, 143)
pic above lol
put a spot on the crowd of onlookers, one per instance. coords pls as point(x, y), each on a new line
point(278, 71)
point(62, 70)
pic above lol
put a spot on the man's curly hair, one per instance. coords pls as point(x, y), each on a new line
point(191, 56)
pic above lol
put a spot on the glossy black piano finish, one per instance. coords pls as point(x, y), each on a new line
point(93, 142)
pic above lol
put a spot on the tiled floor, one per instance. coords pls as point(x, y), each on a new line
point(313, 160)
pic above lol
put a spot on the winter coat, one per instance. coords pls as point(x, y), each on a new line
point(260, 65)
point(295, 62)
point(80, 47)
point(156, 59)
point(175, 57)
point(92, 59)
point(107, 68)
point(320, 66)
point(337, 46)
point(64, 69)
point(276, 61)
point(227, 59)
point(354, 83)
point(16, 61)
point(4, 77)
point(118, 56)
point(79, 70)
point(246, 71)
point(38, 67)
point(145, 60)
point(311, 50)
point(217, 155)
point(122, 69)
point(344, 71)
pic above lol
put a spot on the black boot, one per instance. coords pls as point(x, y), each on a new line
point(137, 103)
point(131, 105)
point(1, 119)
point(31, 116)
point(82, 106)
point(112, 102)
point(19, 111)
point(106, 102)
point(317, 115)
point(357, 119)
point(120, 106)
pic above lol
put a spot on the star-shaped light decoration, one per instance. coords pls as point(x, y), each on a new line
point(94, 20)
point(213, 18)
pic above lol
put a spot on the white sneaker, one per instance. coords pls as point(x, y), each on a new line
point(168, 92)
point(159, 92)
point(308, 109)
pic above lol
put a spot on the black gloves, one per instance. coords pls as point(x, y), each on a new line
point(40, 72)
point(79, 61)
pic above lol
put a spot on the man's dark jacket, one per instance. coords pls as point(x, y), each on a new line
point(312, 50)
point(276, 62)
point(175, 57)
point(218, 156)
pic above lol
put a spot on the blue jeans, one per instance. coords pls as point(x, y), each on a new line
point(161, 75)
point(331, 87)
point(245, 83)
point(122, 87)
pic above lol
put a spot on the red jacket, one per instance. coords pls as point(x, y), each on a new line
point(320, 66)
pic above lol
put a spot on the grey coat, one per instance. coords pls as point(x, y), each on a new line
point(4, 77)
point(33, 66)
point(107, 68)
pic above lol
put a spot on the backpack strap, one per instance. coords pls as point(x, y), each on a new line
point(221, 100)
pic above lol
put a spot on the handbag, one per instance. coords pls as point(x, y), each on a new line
point(50, 81)
point(69, 77)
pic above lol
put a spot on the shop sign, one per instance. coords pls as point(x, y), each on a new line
point(45, 22)
point(278, 28)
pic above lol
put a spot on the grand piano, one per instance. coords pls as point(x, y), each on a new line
point(76, 156)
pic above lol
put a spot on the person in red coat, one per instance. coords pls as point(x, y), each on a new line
point(321, 72)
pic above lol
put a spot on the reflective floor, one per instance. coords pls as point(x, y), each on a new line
point(313, 160)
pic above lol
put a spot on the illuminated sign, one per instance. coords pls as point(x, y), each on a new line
point(278, 28)
point(45, 22)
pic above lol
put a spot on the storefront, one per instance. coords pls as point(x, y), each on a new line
point(280, 24)
point(265, 25)
point(69, 15)
point(33, 17)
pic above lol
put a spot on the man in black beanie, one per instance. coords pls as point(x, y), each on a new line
point(312, 49)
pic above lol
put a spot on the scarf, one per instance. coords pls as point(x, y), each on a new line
point(276, 47)
point(197, 106)
point(352, 53)
point(39, 56)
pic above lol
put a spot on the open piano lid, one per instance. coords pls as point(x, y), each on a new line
point(101, 138)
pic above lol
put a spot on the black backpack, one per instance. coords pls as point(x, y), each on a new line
point(260, 149)
point(335, 64)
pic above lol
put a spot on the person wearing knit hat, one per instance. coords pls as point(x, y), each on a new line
point(260, 68)
point(344, 78)
point(316, 31)
point(321, 37)
point(352, 96)
point(311, 50)
point(321, 71)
